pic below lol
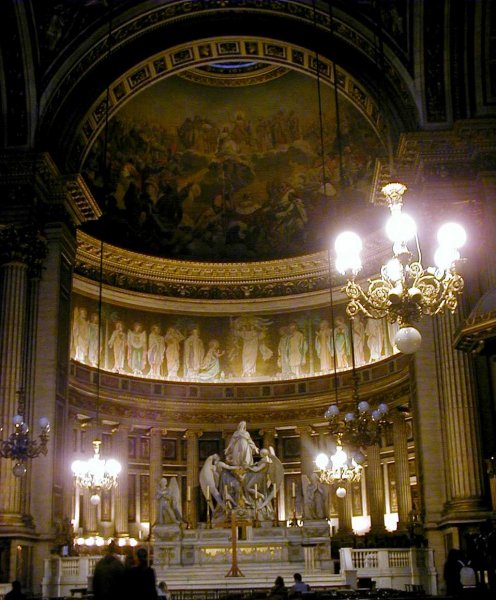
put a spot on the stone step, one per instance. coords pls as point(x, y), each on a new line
point(255, 576)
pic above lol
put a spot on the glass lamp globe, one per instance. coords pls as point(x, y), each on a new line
point(400, 227)
point(322, 460)
point(113, 466)
point(348, 262)
point(445, 256)
point(348, 242)
point(17, 420)
point(451, 235)
point(363, 406)
point(408, 340)
point(341, 492)
point(95, 499)
point(394, 270)
point(44, 422)
point(19, 469)
point(332, 411)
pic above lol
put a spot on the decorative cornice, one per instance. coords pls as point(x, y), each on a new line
point(23, 244)
point(198, 406)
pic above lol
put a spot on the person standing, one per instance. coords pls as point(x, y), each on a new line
point(141, 581)
point(451, 573)
point(108, 577)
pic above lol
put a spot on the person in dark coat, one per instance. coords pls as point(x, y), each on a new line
point(452, 568)
point(108, 577)
point(141, 582)
point(278, 590)
point(15, 593)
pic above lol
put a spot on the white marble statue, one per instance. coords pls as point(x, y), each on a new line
point(168, 502)
point(241, 447)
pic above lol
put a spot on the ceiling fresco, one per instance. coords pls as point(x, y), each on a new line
point(225, 172)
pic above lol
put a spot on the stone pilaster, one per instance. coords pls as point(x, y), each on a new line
point(375, 489)
point(121, 497)
point(155, 470)
point(192, 473)
point(403, 492)
point(460, 424)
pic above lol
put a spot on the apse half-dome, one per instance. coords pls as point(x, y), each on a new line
point(226, 162)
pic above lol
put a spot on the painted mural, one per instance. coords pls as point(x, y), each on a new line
point(236, 348)
point(226, 173)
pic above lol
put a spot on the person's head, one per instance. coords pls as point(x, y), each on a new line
point(162, 586)
point(16, 586)
point(111, 548)
point(279, 581)
point(142, 556)
point(297, 577)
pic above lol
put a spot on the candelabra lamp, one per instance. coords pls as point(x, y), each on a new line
point(96, 474)
point(405, 290)
point(338, 469)
point(19, 446)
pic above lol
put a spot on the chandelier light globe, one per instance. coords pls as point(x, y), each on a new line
point(394, 270)
point(363, 406)
point(17, 420)
point(339, 458)
point(348, 417)
point(383, 408)
point(95, 499)
point(358, 457)
point(19, 469)
point(44, 422)
point(321, 460)
point(400, 227)
point(348, 242)
point(348, 263)
point(332, 411)
point(451, 235)
point(408, 340)
point(341, 492)
point(445, 256)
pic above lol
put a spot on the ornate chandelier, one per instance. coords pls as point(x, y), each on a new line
point(19, 446)
point(337, 469)
point(405, 291)
point(96, 474)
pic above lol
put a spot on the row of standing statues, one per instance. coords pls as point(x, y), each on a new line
point(250, 349)
point(245, 479)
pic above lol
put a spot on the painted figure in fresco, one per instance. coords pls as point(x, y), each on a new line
point(282, 351)
point(156, 351)
point(252, 332)
point(375, 338)
point(93, 342)
point(81, 334)
point(173, 338)
point(324, 346)
point(194, 352)
point(210, 368)
point(342, 343)
point(136, 348)
point(241, 447)
point(358, 340)
point(118, 342)
point(297, 348)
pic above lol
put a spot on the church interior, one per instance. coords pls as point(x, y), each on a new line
point(213, 342)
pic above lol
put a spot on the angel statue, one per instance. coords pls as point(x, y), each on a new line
point(314, 497)
point(169, 502)
point(267, 475)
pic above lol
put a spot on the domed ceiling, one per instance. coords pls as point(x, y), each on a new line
point(224, 162)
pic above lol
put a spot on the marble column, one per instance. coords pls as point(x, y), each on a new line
point(403, 492)
point(307, 451)
point(192, 473)
point(375, 489)
point(155, 470)
point(465, 490)
point(345, 511)
point(90, 515)
point(121, 496)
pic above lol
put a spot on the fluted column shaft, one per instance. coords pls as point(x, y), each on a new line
point(121, 494)
point(155, 470)
point(90, 515)
point(375, 489)
point(403, 492)
point(460, 422)
point(13, 290)
point(345, 511)
point(307, 451)
point(192, 472)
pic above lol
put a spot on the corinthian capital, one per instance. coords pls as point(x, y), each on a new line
point(22, 244)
